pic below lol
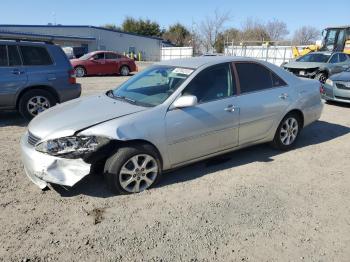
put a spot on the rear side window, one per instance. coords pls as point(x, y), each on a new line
point(3, 56)
point(14, 57)
point(35, 55)
point(255, 77)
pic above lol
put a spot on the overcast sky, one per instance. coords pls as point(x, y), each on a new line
point(83, 12)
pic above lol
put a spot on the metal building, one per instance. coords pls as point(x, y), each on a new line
point(91, 38)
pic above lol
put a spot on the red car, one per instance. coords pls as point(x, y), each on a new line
point(103, 63)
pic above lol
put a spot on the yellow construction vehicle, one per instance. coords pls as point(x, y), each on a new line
point(334, 39)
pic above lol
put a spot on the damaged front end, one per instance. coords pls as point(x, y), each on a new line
point(63, 161)
point(300, 72)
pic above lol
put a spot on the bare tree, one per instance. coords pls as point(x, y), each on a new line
point(254, 30)
point(276, 29)
point(306, 35)
point(211, 29)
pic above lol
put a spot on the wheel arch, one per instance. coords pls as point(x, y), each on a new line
point(37, 87)
point(299, 113)
point(100, 157)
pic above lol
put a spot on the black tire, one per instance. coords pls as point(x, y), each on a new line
point(28, 96)
point(114, 164)
point(278, 142)
point(80, 71)
point(124, 70)
point(322, 77)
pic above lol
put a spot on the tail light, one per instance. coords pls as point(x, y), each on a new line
point(72, 77)
point(322, 91)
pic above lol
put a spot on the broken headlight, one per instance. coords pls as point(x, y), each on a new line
point(71, 146)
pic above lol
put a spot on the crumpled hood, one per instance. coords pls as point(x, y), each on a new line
point(303, 65)
point(67, 118)
point(344, 76)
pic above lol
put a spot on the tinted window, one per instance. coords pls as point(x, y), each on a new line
point(254, 77)
point(342, 57)
point(99, 56)
point(14, 58)
point(3, 56)
point(34, 55)
point(211, 84)
point(112, 56)
point(334, 59)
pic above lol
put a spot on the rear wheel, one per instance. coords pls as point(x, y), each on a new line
point(80, 71)
point(34, 102)
point(322, 77)
point(124, 71)
point(287, 132)
point(133, 169)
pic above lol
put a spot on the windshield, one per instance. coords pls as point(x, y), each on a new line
point(318, 58)
point(152, 86)
point(85, 57)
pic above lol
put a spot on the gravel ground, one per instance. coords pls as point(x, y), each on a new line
point(255, 204)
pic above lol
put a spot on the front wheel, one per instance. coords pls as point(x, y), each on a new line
point(80, 71)
point(287, 132)
point(133, 169)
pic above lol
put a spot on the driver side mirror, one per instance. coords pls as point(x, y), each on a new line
point(185, 101)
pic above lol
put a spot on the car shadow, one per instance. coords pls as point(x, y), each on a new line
point(12, 118)
point(340, 104)
point(317, 133)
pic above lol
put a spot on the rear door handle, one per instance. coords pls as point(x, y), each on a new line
point(230, 108)
point(283, 96)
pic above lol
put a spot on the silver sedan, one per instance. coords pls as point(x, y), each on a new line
point(172, 114)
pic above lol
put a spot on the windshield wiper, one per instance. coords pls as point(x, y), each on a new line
point(132, 101)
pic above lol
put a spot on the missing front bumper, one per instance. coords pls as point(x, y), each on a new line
point(42, 168)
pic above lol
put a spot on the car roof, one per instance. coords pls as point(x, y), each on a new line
point(23, 42)
point(196, 62)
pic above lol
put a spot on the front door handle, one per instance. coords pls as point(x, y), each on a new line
point(230, 108)
point(283, 96)
point(17, 72)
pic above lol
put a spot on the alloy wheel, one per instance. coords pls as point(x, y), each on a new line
point(79, 72)
point(289, 131)
point(37, 104)
point(138, 173)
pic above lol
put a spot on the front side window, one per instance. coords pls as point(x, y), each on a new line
point(35, 55)
point(99, 56)
point(3, 56)
point(342, 57)
point(14, 58)
point(334, 59)
point(254, 77)
point(211, 84)
point(152, 86)
point(111, 56)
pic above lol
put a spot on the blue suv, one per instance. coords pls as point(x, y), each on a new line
point(34, 76)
